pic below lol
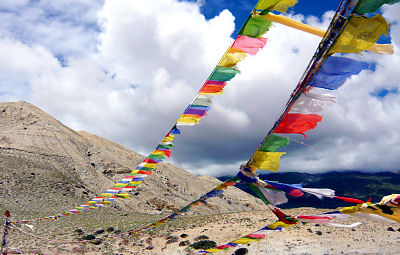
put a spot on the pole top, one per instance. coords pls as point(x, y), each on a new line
point(7, 214)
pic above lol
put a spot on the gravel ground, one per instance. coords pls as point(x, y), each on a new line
point(172, 238)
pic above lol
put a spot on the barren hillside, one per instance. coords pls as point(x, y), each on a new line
point(46, 167)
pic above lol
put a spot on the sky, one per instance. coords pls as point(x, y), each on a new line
point(126, 70)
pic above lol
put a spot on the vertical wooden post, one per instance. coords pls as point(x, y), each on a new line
point(5, 235)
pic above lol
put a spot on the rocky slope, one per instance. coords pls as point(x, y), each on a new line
point(46, 167)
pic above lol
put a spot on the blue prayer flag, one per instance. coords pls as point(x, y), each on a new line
point(334, 72)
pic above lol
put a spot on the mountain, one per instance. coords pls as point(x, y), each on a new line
point(46, 168)
point(347, 183)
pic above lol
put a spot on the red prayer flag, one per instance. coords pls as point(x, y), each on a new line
point(256, 236)
point(297, 123)
point(350, 200)
point(144, 172)
point(147, 160)
point(211, 89)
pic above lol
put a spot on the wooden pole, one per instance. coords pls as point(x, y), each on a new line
point(377, 48)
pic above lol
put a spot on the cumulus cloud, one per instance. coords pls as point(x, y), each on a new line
point(126, 70)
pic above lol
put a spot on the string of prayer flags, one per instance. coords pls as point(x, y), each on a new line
point(327, 218)
point(295, 123)
point(245, 240)
point(335, 70)
point(360, 34)
point(266, 160)
point(201, 200)
point(369, 6)
point(249, 41)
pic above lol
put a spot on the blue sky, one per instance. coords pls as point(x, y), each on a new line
point(126, 70)
point(241, 8)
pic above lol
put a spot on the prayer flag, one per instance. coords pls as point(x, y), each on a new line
point(311, 103)
point(295, 123)
point(213, 87)
point(391, 200)
point(196, 112)
point(335, 70)
point(232, 58)
point(244, 240)
point(360, 34)
point(248, 44)
point(368, 6)
point(188, 120)
point(257, 190)
point(320, 193)
point(266, 160)
point(202, 100)
point(274, 142)
point(223, 74)
point(277, 5)
point(291, 189)
point(156, 157)
point(255, 27)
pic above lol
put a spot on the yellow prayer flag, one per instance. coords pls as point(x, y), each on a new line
point(135, 182)
point(119, 185)
point(150, 165)
point(245, 240)
point(360, 34)
point(155, 152)
point(123, 195)
point(368, 208)
point(279, 224)
point(213, 250)
point(276, 5)
point(266, 160)
point(190, 121)
point(169, 138)
point(232, 58)
point(106, 195)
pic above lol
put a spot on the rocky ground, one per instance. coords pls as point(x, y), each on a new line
point(176, 236)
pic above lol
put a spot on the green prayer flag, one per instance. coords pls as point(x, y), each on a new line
point(255, 27)
point(146, 169)
point(368, 6)
point(274, 142)
point(162, 146)
point(258, 192)
point(155, 156)
point(223, 74)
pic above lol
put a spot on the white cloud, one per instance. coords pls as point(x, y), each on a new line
point(129, 69)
